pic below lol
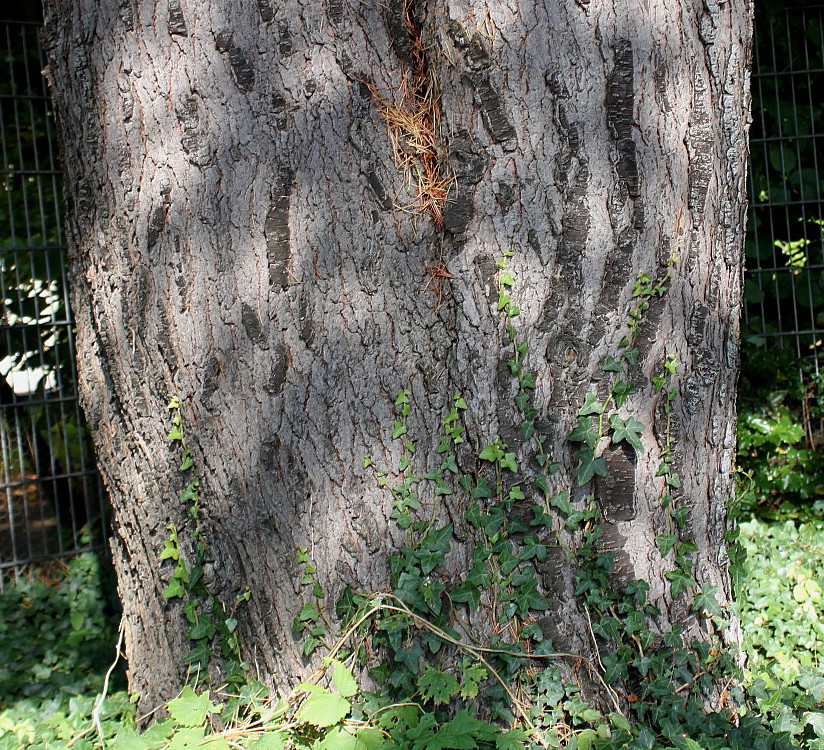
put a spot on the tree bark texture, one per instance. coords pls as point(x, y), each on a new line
point(243, 237)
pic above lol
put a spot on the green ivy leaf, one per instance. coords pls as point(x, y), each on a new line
point(508, 462)
point(665, 543)
point(631, 356)
point(514, 739)
point(190, 709)
point(532, 548)
point(620, 721)
point(612, 364)
point(561, 502)
point(591, 405)
point(323, 709)
point(189, 737)
point(584, 433)
point(269, 741)
point(481, 490)
point(628, 430)
point(344, 679)
point(203, 628)
point(585, 739)
point(621, 390)
point(679, 581)
point(467, 593)
point(174, 589)
point(199, 654)
point(590, 466)
point(491, 453)
point(705, 600)
point(438, 687)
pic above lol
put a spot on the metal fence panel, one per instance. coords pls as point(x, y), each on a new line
point(52, 502)
point(784, 279)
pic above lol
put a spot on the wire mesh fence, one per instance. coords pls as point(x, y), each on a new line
point(784, 279)
point(52, 501)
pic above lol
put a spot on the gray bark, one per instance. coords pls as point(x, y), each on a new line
point(236, 241)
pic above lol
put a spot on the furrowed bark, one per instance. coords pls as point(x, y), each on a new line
point(236, 241)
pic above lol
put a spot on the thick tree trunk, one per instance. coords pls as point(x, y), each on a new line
point(236, 241)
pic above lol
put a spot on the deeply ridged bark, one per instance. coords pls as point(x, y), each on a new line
point(236, 241)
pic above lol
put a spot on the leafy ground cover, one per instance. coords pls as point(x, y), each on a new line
point(57, 632)
point(781, 599)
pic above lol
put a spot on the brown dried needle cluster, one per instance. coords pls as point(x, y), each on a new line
point(412, 117)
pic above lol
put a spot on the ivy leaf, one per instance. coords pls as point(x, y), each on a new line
point(621, 390)
point(590, 466)
point(491, 453)
point(673, 480)
point(532, 548)
point(679, 580)
point(514, 739)
point(190, 709)
point(705, 601)
point(591, 405)
point(528, 598)
point(199, 654)
point(612, 364)
point(175, 588)
point(472, 673)
point(620, 721)
point(462, 733)
point(129, 739)
point(679, 515)
point(508, 462)
point(344, 680)
point(467, 593)
point(585, 739)
point(516, 493)
point(541, 483)
point(665, 543)
point(473, 515)
point(584, 432)
point(628, 430)
point(438, 687)
point(561, 502)
point(540, 518)
point(481, 490)
point(339, 738)
point(323, 709)
point(204, 628)
point(190, 737)
point(398, 430)
point(269, 741)
point(631, 356)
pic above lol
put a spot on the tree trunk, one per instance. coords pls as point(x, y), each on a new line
point(245, 236)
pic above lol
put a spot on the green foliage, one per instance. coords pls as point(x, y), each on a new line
point(57, 628)
point(55, 632)
point(779, 443)
point(781, 598)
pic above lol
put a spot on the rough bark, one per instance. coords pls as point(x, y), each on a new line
point(236, 241)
